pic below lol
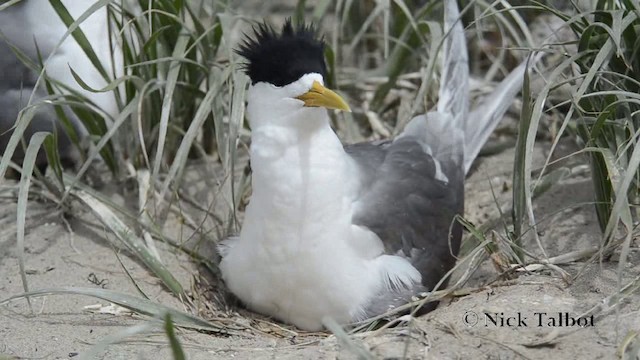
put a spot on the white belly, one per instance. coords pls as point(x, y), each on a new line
point(301, 285)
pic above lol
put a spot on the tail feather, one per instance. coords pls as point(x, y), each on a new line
point(442, 131)
point(452, 133)
point(453, 97)
point(476, 126)
point(487, 115)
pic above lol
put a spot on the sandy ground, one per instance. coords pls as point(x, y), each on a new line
point(61, 327)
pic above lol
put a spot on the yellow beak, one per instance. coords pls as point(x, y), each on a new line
point(320, 96)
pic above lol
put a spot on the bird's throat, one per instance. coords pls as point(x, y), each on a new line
point(300, 181)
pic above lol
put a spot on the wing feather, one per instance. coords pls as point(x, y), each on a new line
point(407, 206)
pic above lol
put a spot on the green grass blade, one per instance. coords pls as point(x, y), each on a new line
point(53, 157)
point(24, 118)
point(109, 87)
point(298, 14)
point(78, 34)
point(70, 29)
point(321, 8)
point(621, 209)
point(220, 130)
point(113, 128)
point(176, 348)
point(519, 167)
point(8, 3)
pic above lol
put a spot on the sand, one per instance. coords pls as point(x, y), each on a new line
point(522, 317)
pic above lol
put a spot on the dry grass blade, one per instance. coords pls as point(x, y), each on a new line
point(129, 239)
point(118, 337)
point(172, 79)
point(187, 140)
point(613, 301)
point(144, 189)
point(345, 339)
point(557, 260)
point(35, 143)
point(629, 349)
point(138, 305)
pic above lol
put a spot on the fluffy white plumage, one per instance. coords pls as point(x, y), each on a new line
point(299, 258)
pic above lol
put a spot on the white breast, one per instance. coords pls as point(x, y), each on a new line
point(291, 260)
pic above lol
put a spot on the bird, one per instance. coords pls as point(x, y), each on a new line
point(35, 30)
point(17, 84)
point(347, 232)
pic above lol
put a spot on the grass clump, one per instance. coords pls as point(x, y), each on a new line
point(603, 111)
point(609, 108)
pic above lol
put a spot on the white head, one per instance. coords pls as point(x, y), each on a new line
point(287, 73)
point(302, 103)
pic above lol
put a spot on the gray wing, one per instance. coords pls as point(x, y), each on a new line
point(408, 207)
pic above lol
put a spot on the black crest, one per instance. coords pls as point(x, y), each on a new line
point(281, 59)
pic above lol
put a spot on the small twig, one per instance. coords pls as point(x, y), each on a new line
point(71, 235)
point(612, 301)
point(557, 260)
